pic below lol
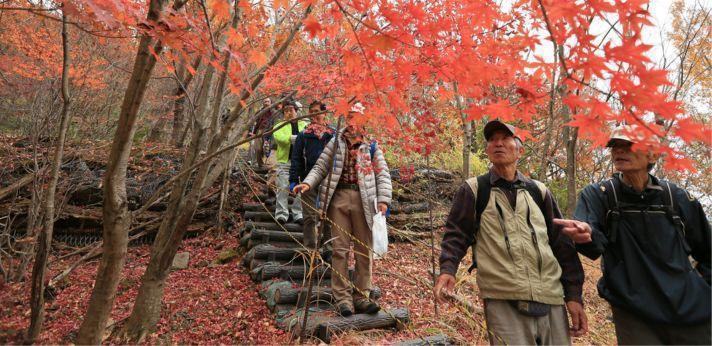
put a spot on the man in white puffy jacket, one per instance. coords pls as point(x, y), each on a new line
point(360, 176)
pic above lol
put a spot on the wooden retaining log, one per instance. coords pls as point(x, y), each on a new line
point(270, 271)
point(324, 325)
point(292, 295)
point(245, 240)
point(288, 315)
point(395, 318)
point(271, 252)
point(259, 216)
point(291, 227)
point(255, 206)
point(255, 263)
point(267, 236)
point(283, 244)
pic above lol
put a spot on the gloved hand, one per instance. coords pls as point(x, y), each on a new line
point(291, 187)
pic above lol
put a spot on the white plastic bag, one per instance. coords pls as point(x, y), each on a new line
point(380, 233)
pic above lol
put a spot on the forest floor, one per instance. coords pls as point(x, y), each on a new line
point(209, 303)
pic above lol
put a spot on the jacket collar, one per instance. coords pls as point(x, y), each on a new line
point(495, 178)
point(653, 182)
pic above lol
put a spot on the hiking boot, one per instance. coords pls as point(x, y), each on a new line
point(366, 306)
point(281, 220)
point(345, 310)
point(299, 221)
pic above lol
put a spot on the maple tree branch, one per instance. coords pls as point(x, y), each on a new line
point(551, 33)
point(210, 30)
point(208, 159)
point(378, 30)
point(360, 45)
point(39, 12)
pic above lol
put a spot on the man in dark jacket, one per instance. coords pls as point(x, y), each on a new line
point(646, 228)
point(305, 152)
point(263, 123)
point(528, 274)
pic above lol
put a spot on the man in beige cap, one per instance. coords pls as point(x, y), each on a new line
point(646, 228)
point(529, 274)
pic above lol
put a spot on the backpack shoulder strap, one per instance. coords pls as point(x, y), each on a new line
point(481, 188)
point(537, 190)
point(672, 213)
point(484, 187)
point(611, 189)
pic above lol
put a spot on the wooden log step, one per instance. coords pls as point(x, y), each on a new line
point(296, 261)
point(292, 295)
point(245, 240)
point(280, 236)
point(259, 216)
point(255, 206)
point(284, 244)
point(395, 318)
point(433, 340)
point(285, 314)
point(291, 227)
point(273, 285)
point(271, 252)
point(293, 272)
point(324, 325)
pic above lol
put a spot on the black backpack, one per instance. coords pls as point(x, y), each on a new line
point(612, 188)
point(482, 199)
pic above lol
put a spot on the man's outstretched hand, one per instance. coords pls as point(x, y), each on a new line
point(579, 232)
point(444, 284)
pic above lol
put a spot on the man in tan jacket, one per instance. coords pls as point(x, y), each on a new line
point(528, 274)
point(360, 176)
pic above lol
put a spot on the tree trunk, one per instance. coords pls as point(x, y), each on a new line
point(146, 310)
point(115, 209)
point(571, 172)
point(179, 122)
point(44, 239)
point(466, 135)
point(549, 126)
point(147, 307)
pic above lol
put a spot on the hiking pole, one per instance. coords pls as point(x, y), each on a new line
point(432, 240)
point(322, 224)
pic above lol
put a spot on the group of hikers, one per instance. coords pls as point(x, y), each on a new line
point(653, 236)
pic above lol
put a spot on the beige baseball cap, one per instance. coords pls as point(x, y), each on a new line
point(620, 133)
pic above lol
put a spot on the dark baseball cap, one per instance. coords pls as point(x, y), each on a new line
point(496, 125)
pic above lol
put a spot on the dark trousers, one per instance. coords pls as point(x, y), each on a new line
point(632, 330)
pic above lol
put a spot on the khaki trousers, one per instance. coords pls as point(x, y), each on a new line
point(346, 211)
point(507, 326)
point(631, 330)
point(311, 217)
